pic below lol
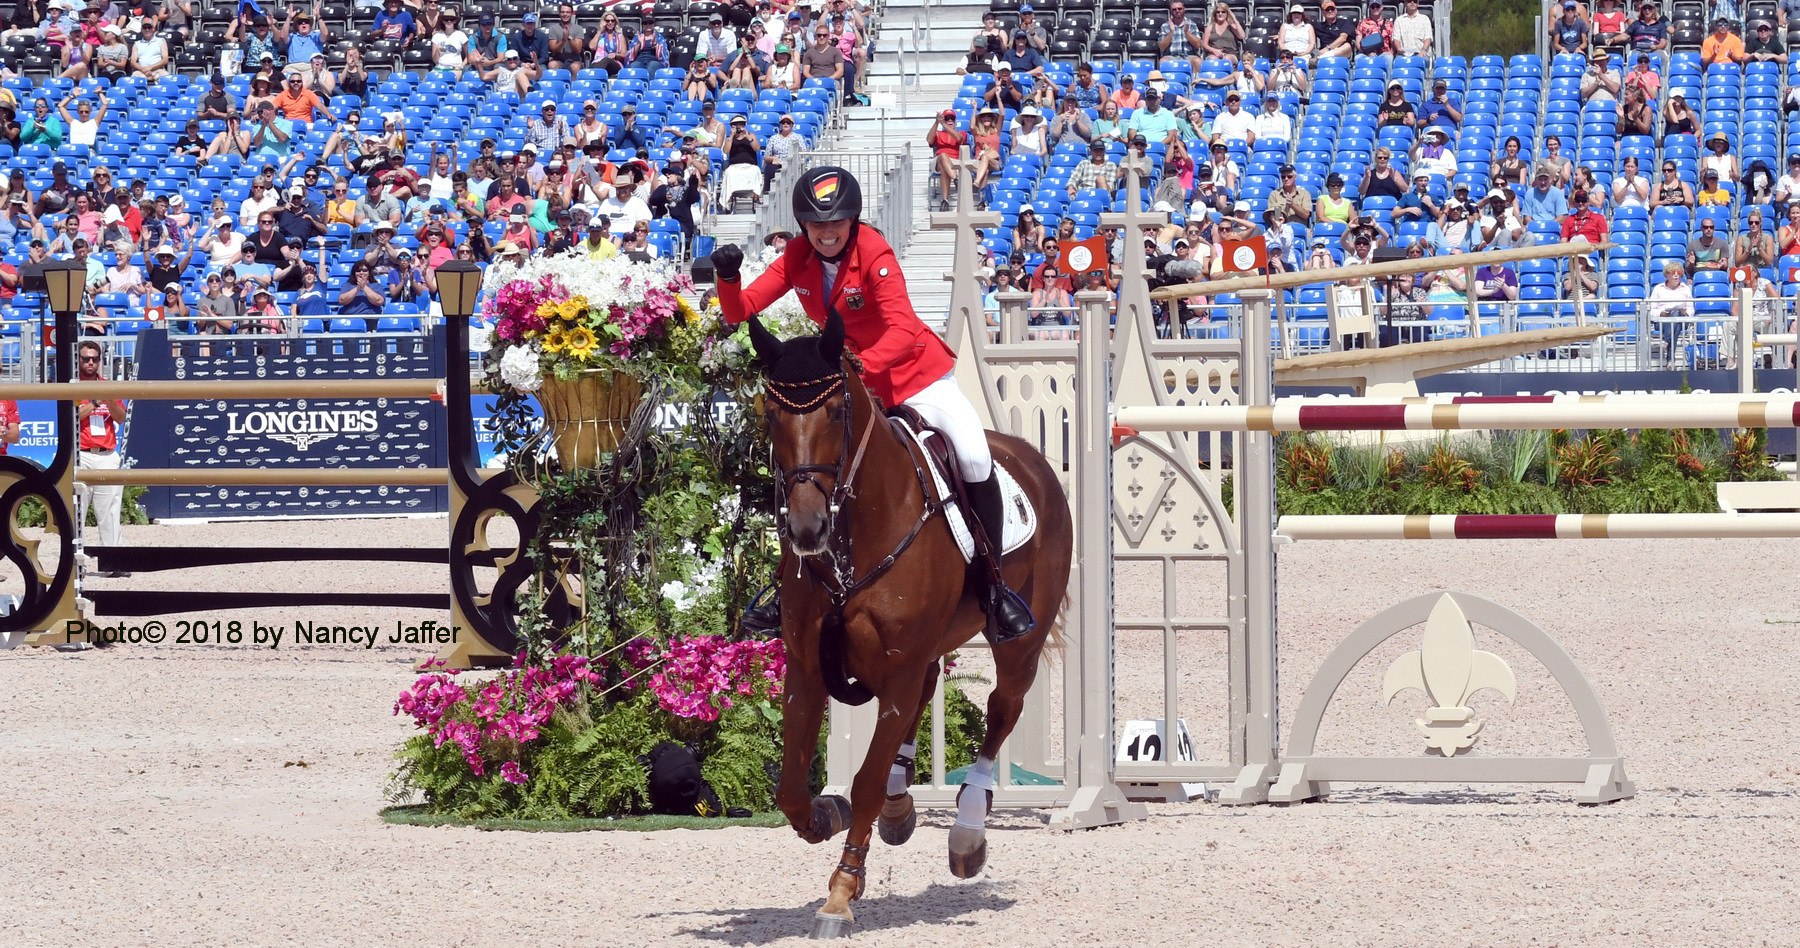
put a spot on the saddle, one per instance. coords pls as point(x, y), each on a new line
point(946, 476)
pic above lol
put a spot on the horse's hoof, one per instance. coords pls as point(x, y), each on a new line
point(898, 819)
point(830, 815)
point(968, 851)
point(831, 926)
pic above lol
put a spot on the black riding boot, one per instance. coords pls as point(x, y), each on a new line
point(762, 617)
point(1008, 615)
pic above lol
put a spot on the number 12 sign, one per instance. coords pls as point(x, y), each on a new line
point(1143, 740)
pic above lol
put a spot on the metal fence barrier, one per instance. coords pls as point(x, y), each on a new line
point(887, 188)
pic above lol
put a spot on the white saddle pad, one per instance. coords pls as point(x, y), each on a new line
point(1021, 516)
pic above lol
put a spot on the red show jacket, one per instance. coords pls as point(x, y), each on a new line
point(900, 354)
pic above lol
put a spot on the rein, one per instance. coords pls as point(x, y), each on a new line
point(835, 567)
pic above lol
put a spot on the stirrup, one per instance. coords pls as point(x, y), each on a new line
point(762, 617)
point(1009, 617)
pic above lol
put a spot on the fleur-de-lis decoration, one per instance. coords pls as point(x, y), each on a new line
point(1449, 669)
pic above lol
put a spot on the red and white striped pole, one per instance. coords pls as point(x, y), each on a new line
point(1523, 412)
point(1537, 526)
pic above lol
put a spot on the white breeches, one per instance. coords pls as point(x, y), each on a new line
point(943, 404)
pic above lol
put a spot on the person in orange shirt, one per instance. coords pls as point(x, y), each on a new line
point(1722, 45)
point(298, 103)
point(341, 208)
point(1127, 95)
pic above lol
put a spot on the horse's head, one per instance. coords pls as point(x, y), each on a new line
point(807, 406)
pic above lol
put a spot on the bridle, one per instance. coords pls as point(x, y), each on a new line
point(834, 567)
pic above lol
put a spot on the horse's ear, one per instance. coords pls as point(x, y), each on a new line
point(768, 348)
point(831, 341)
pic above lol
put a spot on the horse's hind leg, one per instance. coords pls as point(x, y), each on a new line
point(898, 817)
point(1015, 668)
point(867, 793)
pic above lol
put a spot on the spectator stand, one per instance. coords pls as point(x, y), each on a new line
point(1337, 129)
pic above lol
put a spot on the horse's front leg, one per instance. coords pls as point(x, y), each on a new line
point(897, 721)
point(815, 820)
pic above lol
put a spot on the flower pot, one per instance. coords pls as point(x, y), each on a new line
point(587, 415)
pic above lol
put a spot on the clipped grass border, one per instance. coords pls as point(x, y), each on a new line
point(416, 815)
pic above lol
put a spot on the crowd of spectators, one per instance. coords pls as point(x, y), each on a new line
point(339, 216)
point(1187, 141)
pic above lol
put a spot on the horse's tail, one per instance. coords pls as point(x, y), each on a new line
point(1053, 645)
point(832, 664)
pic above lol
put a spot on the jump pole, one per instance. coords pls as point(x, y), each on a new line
point(1538, 526)
point(1502, 413)
point(279, 477)
point(232, 389)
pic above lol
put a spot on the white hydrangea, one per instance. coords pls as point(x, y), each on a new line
point(679, 595)
point(785, 317)
point(521, 367)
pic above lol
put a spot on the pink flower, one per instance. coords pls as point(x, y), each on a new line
point(701, 675)
point(511, 773)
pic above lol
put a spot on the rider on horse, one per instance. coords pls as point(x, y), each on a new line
point(846, 267)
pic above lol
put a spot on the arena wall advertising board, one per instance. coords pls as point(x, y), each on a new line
point(295, 433)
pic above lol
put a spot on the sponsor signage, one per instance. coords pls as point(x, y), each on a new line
point(299, 433)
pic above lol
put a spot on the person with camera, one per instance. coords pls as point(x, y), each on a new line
point(16, 219)
point(677, 196)
point(262, 315)
point(1362, 238)
point(745, 66)
point(1499, 227)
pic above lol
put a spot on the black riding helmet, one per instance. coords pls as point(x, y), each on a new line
point(827, 193)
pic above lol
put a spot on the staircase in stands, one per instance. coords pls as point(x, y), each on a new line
point(922, 42)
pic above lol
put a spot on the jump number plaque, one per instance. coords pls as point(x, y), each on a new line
point(1144, 740)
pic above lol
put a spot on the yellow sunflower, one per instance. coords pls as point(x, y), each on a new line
point(574, 308)
point(686, 309)
point(555, 341)
point(547, 311)
point(581, 342)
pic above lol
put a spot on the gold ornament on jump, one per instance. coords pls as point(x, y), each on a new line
point(587, 416)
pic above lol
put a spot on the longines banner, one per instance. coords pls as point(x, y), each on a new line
point(290, 433)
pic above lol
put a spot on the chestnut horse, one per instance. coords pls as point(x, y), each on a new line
point(874, 591)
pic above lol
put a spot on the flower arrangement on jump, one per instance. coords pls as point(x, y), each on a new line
point(671, 529)
point(565, 737)
point(563, 316)
point(498, 720)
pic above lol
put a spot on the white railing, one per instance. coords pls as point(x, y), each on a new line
point(1644, 342)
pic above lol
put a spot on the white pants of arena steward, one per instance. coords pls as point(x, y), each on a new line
point(943, 404)
point(106, 497)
